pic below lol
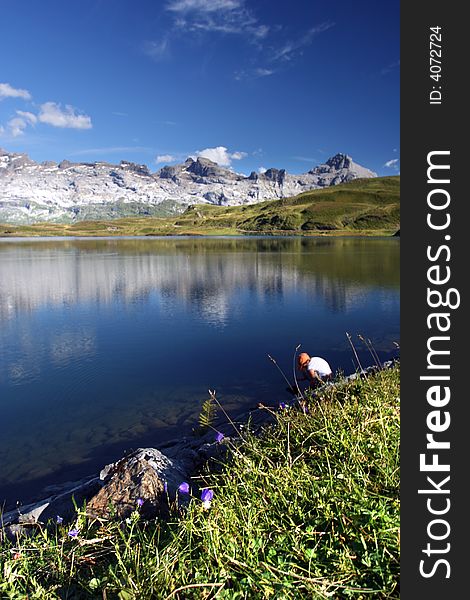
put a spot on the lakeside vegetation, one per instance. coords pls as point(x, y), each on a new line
point(307, 509)
point(360, 207)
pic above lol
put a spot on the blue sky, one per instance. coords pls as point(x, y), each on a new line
point(252, 84)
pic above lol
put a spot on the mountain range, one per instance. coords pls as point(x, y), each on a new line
point(67, 192)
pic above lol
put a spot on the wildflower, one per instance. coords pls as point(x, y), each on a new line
point(219, 437)
point(73, 533)
point(282, 405)
point(16, 556)
point(59, 520)
point(184, 488)
point(165, 487)
point(206, 497)
point(140, 502)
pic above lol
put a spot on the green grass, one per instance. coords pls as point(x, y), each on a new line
point(362, 206)
point(309, 509)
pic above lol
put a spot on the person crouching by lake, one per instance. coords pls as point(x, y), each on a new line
point(316, 369)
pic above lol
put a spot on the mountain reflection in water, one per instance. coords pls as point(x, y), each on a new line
point(110, 343)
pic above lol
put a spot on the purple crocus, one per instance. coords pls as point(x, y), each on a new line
point(140, 502)
point(183, 488)
point(59, 520)
point(73, 533)
point(219, 437)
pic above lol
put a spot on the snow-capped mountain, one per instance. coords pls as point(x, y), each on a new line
point(66, 192)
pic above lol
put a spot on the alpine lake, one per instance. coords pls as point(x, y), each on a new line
point(108, 344)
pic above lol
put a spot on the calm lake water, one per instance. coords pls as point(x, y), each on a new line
point(107, 344)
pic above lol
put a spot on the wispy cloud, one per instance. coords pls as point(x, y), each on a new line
point(156, 50)
point(292, 48)
point(280, 54)
point(8, 91)
point(221, 155)
point(202, 5)
point(223, 16)
point(165, 158)
point(307, 159)
point(392, 164)
point(110, 150)
point(52, 114)
point(18, 124)
point(389, 68)
point(255, 73)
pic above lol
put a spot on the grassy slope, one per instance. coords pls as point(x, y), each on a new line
point(310, 509)
point(358, 207)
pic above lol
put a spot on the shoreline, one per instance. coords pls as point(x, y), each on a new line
point(189, 453)
point(274, 234)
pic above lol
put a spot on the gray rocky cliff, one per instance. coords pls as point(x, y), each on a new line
point(66, 192)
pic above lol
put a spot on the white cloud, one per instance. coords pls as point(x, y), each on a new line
point(27, 116)
point(392, 164)
point(389, 68)
point(223, 16)
point(307, 159)
point(238, 155)
point(7, 91)
point(260, 72)
point(293, 48)
point(202, 5)
point(52, 114)
point(262, 170)
point(110, 150)
point(18, 124)
point(253, 73)
point(165, 158)
point(156, 49)
point(221, 155)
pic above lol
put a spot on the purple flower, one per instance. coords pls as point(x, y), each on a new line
point(207, 495)
point(59, 520)
point(184, 488)
point(140, 502)
point(73, 533)
point(282, 405)
point(219, 437)
point(165, 487)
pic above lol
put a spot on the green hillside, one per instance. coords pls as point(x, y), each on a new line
point(361, 207)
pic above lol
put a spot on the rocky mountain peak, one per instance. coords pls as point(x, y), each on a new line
point(136, 168)
point(70, 191)
point(277, 175)
point(204, 167)
point(339, 161)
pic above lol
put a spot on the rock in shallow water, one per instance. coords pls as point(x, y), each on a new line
point(140, 476)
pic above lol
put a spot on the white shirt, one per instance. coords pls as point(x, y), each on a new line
point(319, 365)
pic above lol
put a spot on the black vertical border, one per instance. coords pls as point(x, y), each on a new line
point(426, 128)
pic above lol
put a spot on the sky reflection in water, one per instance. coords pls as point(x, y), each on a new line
point(107, 344)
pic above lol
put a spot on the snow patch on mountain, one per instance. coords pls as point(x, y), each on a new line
point(67, 191)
